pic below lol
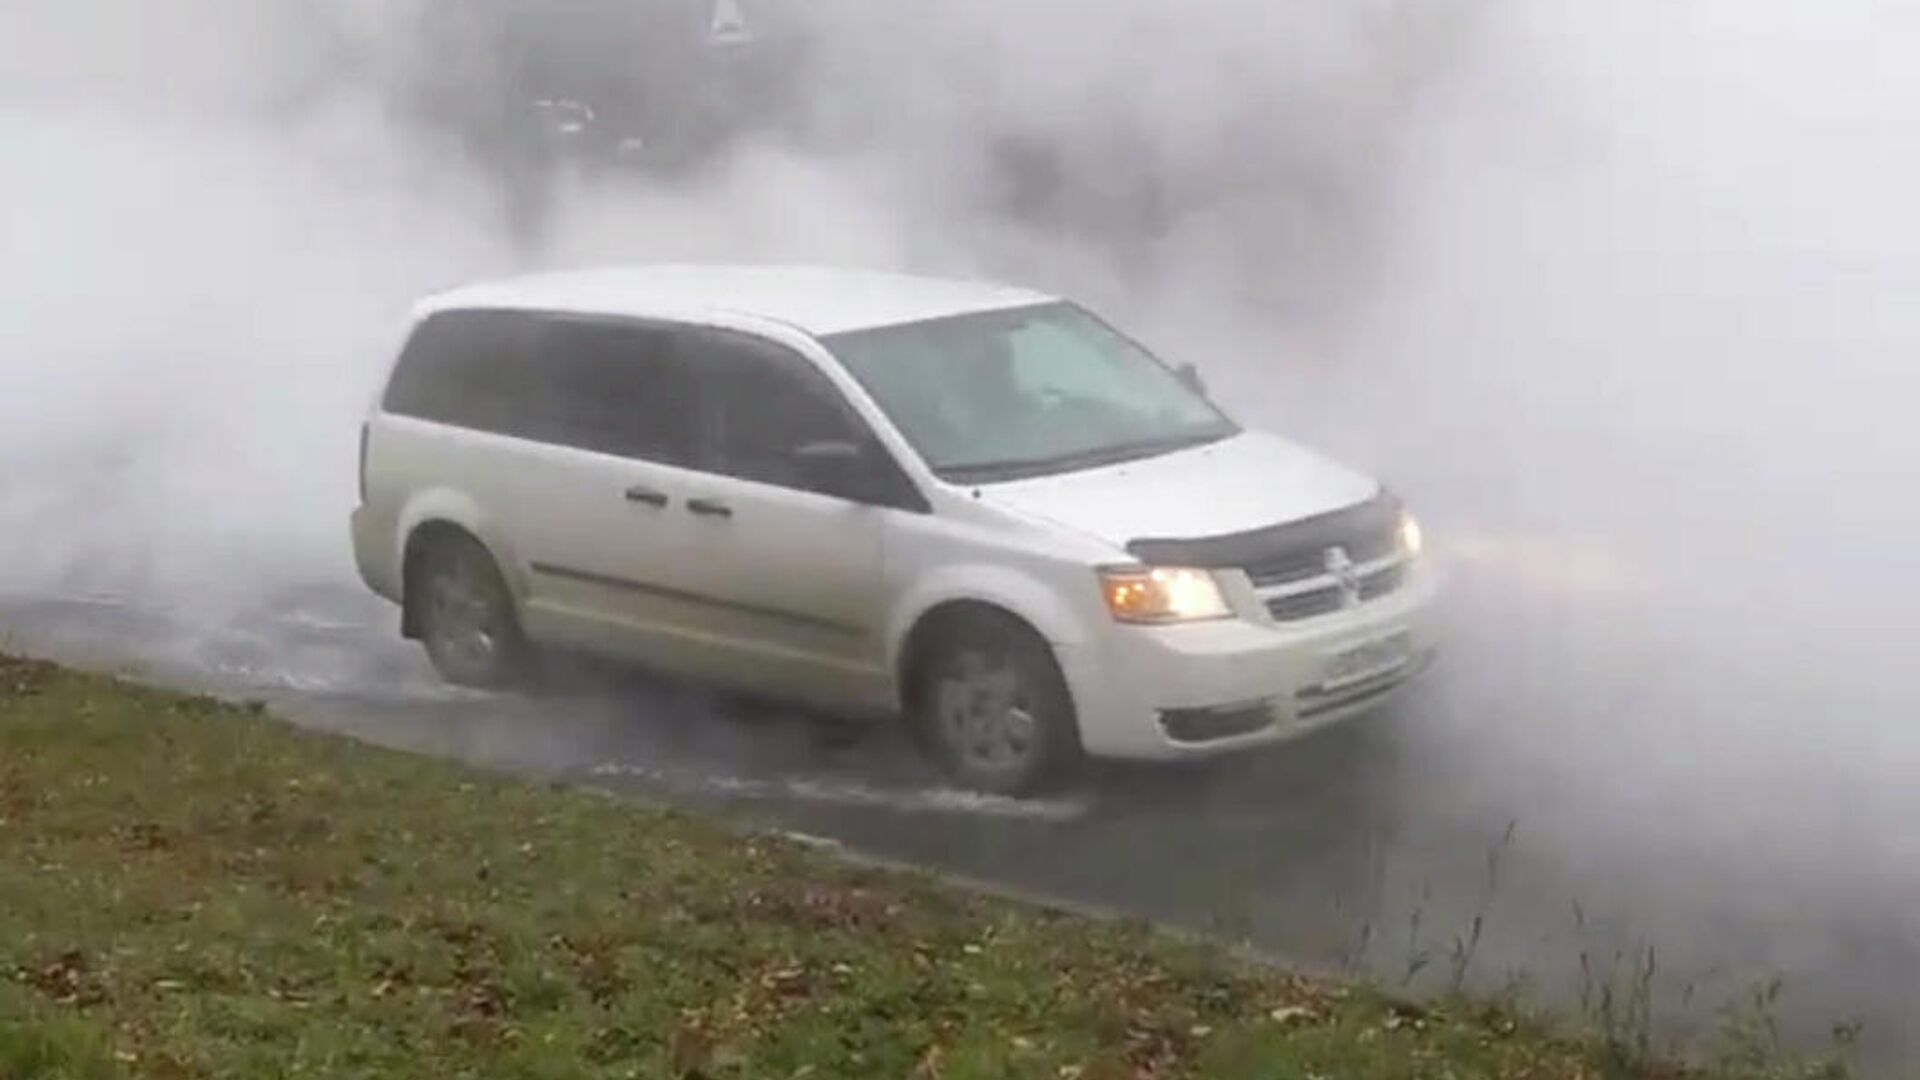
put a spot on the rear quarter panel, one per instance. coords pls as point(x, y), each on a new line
point(420, 472)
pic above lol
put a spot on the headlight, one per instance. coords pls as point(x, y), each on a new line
point(1411, 539)
point(1162, 595)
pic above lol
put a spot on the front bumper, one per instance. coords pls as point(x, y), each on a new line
point(1175, 692)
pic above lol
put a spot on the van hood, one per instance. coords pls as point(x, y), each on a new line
point(1250, 481)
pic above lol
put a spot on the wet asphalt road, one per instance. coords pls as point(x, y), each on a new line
point(1378, 847)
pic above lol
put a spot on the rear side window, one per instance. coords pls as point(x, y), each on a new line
point(764, 403)
point(609, 387)
point(466, 368)
point(615, 388)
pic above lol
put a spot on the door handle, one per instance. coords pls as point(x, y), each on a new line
point(710, 508)
point(647, 496)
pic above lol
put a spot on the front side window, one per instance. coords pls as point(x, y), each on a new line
point(1027, 392)
point(765, 405)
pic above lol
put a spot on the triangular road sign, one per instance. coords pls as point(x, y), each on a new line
point(729, 25)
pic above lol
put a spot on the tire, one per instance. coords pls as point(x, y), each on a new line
point(991, 706)
point(466, 617)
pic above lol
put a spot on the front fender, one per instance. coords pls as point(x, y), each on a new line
point(1017, 592)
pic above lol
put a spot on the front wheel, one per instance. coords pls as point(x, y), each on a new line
point(466, 617)
point(993, 707)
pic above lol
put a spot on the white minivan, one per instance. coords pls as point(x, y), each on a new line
point(977, 508)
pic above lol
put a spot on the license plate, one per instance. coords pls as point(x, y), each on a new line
point(1370, 660)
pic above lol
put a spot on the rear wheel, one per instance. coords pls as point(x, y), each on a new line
point(466, 618)
point(992, 706)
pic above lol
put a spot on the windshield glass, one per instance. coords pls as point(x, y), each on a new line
point(1027, 392)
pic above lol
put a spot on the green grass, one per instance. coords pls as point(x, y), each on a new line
point(193, 889)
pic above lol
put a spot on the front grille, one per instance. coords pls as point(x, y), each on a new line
point(1381, 582)
point(1306, 605)
point(1327, 599)
point(1288, 570)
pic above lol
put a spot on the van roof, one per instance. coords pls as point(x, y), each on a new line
point(816, 299)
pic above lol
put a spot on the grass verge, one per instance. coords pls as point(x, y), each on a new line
point(192, 889)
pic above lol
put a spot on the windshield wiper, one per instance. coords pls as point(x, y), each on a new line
point(1020, 468)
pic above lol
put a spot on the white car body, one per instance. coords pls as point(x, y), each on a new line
point(814, 598)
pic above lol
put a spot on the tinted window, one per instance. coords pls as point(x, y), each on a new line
point(615, 388)
point(765, 403)
point(465, 368)
point(610, 387)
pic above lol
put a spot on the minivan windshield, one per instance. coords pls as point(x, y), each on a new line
point(1003, 395)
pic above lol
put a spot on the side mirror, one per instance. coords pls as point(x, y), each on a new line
point(840, 468)
point(1190, 376)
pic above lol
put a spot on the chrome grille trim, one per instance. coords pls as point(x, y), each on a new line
point(1321, 594)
